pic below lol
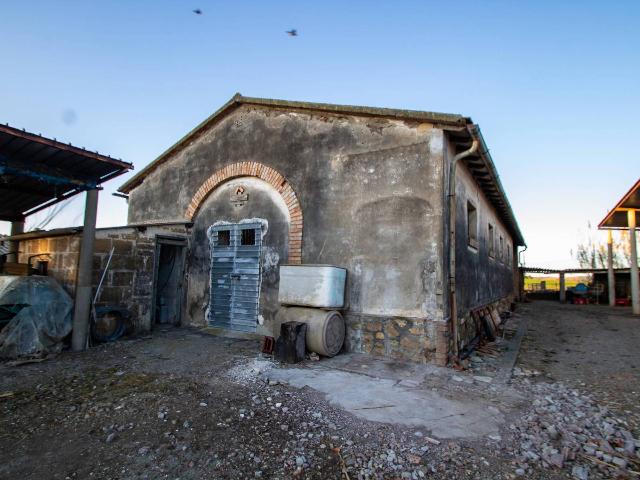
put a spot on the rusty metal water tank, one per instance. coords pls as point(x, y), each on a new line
point(325, 329)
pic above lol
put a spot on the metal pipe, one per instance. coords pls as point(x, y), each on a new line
point(611, 278)
point(635, 281)
point(453, 314)
point(104, 274)
point(83, 282)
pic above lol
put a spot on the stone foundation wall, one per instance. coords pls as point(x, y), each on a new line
point(401, 338)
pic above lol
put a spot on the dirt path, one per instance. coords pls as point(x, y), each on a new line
point(591, 347)
point(182, 404)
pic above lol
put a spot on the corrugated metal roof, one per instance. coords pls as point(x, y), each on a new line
point(37, 172)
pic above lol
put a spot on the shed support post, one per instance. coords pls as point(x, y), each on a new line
point(17, 227)
point(563, 294)
point(82, 308)
point(611, 279)
point(633, 246)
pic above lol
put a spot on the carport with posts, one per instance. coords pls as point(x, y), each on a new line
point(37, 173)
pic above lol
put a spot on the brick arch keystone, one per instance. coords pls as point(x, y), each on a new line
point(273, 178)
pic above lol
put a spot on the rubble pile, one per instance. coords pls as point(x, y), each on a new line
point(249, 371)
point(315, 431)
point(566, 429)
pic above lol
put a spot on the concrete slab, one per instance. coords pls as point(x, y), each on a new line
point(402, 397)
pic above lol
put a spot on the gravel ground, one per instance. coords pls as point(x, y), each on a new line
point(589, 347)
point(181, 404)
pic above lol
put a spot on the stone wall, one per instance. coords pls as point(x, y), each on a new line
point(129, 280)
point(63, 259)
point(401, 338)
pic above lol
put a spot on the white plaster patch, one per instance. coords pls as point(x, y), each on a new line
point(270, 259)
point(264, 224)
point(436, 142)
point(337, 162)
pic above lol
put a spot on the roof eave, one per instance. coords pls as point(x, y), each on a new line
point(476, 134)
point(602, 225)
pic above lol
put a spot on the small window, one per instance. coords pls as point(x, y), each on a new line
point(472, 225)
point(224, 238)
point(248, 237)
point(508, 254)
point(491, 240)
point(501, 252)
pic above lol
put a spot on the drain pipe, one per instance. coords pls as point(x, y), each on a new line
point(452, 242)
point(521, 275)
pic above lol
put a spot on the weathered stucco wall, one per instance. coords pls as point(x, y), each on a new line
point(371, 194)
point(482, 278)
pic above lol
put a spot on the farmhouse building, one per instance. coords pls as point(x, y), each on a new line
point(361, 188)
point(366, 189)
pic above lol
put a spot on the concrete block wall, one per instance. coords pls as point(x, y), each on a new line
point(63, 259)
point(129, 280)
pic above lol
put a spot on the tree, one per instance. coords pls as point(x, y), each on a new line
point(593, 252)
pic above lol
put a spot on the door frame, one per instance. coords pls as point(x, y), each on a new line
point(175, 241)
point(236, 228)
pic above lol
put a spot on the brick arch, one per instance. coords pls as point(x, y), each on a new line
point(273, 178)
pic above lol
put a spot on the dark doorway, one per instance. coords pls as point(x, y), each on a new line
point(169, 279)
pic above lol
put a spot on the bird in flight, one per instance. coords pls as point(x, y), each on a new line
point(292, 33)
point(197, 11)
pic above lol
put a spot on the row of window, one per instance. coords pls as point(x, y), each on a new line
point(503, 253)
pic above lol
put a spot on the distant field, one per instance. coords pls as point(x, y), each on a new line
point(553, 282)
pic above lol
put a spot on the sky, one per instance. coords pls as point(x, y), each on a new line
point(553, 85)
